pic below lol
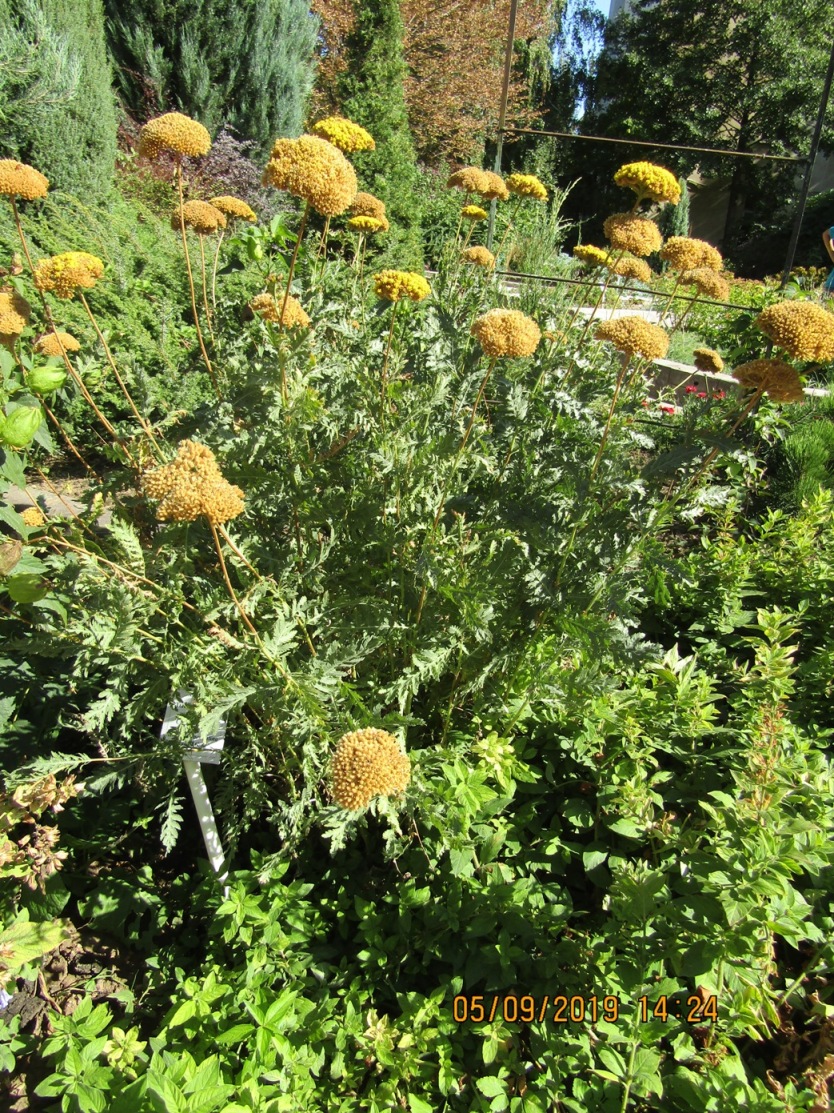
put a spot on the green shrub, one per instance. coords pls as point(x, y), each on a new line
point(67, 129)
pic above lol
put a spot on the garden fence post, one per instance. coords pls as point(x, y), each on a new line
point(207, 752)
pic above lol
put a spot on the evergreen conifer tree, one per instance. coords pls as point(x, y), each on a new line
point(58, 110)
point(372, 95)
point(249, 64)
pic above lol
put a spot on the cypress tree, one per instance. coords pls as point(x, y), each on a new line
point(372, 95)
point(248, 64)
point(61, 116)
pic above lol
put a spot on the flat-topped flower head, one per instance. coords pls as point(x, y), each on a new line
point(52, 343)
point(366, 224)
point(629, 267)
point(19, 180)
point(804, 330)
point(268, 309)
point(63, 274)
point(649, 182)
point(707, 282)
point(368, 763)
point(527, 185)
point(14, 312)
point(470, 179)
point(200, 216)
point(233, 206)
point(365, 204)
point(344, 134)
point(313, 170)
point(480, 256)
point(634, 336)
point(395, 285)
point(708, 360)
point(176, 133)
point(473, 212)
point(775, 378)
point(684, 253)
point(630, 232)
point(591, 256)
point(33, 517)
point(506, 332)
point(494, 187)
point(193, 486)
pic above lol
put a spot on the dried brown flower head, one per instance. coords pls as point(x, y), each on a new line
point(176, 133)
point(773, 377)
point(802, 329)
point(634, 336)
point(629, 267)
point(19, 180)
point(470, 179)
point(506, 332)
point(494, 187)
point(191, 486)
point(48, 344)
point(365, 204)
point(708, 360)
point(268, 309)
point(707, 282)
point(683, 253)
point(200, 216)
point(64, 274)
point(368, 763)
point(233, 206)
point(314, 170)
point(630, 232)
point(480, 256)
point(14, 312)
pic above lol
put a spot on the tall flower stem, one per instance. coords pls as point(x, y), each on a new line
point(228, 583)
point(205, 287)
point(214, 268)
point(322, 248)
point(196, 316)
point(76, 378)
point(142, 422)
point(385, 365)
point(508, 228)
point(301, 228)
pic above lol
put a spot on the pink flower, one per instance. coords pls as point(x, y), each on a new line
point(691, 390)
point(701, 394)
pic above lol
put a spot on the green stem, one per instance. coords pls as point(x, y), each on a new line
point(205, 355)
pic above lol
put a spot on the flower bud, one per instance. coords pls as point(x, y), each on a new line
point(19, 427)
point(43, 380)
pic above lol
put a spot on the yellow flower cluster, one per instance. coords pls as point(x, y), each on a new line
point(708, 360)
point(683, 253)
point(14, 312)
point(590, 255)
point(50, 344)
point(506, 332)
point(394, 285)
point(634, 336)
point(707, 282)
point(176, 133)
point(473, 212)
point(649, 181)
point(268, 309)
point(344, 134)
point(802, 329)
point(774, 377)
point(480, 256)
point(368, 763)
point(200, 216)
point(314, 170)
point(470, 179)
point(365, 224)
point(629, 232)
point(629, 267)
point(527, 185)
point(63, 274)
point(233, 206)
point(191, 486)
point(33, 517)
point(19, 180)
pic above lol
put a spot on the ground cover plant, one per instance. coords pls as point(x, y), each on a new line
point(526, 787)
